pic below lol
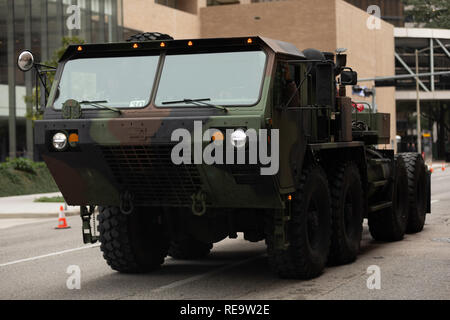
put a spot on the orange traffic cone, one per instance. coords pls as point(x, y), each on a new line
point(431, 167)
point(62, 222)
point(443, 166)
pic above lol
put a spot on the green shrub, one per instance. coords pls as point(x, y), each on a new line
point(49, 199)
point(23, 164)
point(23, 176)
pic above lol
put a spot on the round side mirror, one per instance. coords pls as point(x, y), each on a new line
point(25, 61)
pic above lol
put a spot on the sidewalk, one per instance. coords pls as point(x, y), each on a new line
point(25, 207)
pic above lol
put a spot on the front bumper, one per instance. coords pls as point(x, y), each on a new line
point(122, 155)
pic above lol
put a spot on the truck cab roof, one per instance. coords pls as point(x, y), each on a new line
point(183, 46)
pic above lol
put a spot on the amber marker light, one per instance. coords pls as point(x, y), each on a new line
point(73, 139)
point(249, 40)
point(80, 48)
point(190, 43)
point(135, 46)
point(289, 197)
point(162, 44)
point(217, 136)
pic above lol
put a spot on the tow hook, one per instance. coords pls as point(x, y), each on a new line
point(89, 231)
point(198, 203)
point(126, 203)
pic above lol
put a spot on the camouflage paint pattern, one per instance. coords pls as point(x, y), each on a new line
point(85, 176)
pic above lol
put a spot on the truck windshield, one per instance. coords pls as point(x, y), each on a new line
point(226, 78)
point(122, 82)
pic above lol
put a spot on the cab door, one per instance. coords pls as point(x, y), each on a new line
point(289, 95)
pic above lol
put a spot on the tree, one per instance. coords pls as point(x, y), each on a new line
point(53, 62)
point(428, 13)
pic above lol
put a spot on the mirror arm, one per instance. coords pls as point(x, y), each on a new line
point(43, 82)
point(45, 66)
point(36, 84)
point(41, 102)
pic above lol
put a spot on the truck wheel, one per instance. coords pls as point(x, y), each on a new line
point(189, 249)
point(308, 230)
point(347, 214)
point(390, 223)
point(133, 243)
point(417, 191)
point(149, 36)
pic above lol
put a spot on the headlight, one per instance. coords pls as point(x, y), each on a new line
point(238, 138)
point(59, 141)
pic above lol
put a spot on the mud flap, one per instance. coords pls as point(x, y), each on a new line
point(281, 221)
point(89, 231)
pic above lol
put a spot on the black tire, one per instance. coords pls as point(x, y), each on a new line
point(134, 243)
point(149, 36)
point(347, 214)
point(189, 249)
point(417, 191)
point(308, 231)
point(390, 223)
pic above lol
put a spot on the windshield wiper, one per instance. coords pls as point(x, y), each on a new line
point(100, 106)
point(200, 102)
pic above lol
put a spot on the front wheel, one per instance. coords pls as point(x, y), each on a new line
point(308, 231)
point(133, 243)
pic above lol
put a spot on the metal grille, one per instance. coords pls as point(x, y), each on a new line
point(150, 175)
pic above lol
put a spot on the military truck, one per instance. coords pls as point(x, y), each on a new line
point(107, 139)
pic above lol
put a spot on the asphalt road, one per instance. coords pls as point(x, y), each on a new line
point(34, 258)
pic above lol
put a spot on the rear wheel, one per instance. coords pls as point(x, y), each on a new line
point(347, 214)
point(417, 191)
point(149, 36)
point(132, 243)
point(308, 231)
point(189, 249)
point(389, 224)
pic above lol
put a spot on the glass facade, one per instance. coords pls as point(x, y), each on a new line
point(431, 58)
point(39, 26)
point(435, 111)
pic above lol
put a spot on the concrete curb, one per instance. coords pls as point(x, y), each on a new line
point(35, 215)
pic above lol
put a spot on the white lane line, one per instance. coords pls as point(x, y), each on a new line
point(49, 255)
point(204, 275)
point(434, 201)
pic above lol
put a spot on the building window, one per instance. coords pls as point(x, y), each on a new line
point(221, 2)
point(167, 3)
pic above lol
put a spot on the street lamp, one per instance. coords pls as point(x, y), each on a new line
point(419, 129)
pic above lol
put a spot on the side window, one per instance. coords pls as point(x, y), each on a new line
point(287, 81)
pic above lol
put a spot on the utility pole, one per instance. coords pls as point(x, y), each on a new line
point(419, 131)
point(28, 82)
point(11, 80)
